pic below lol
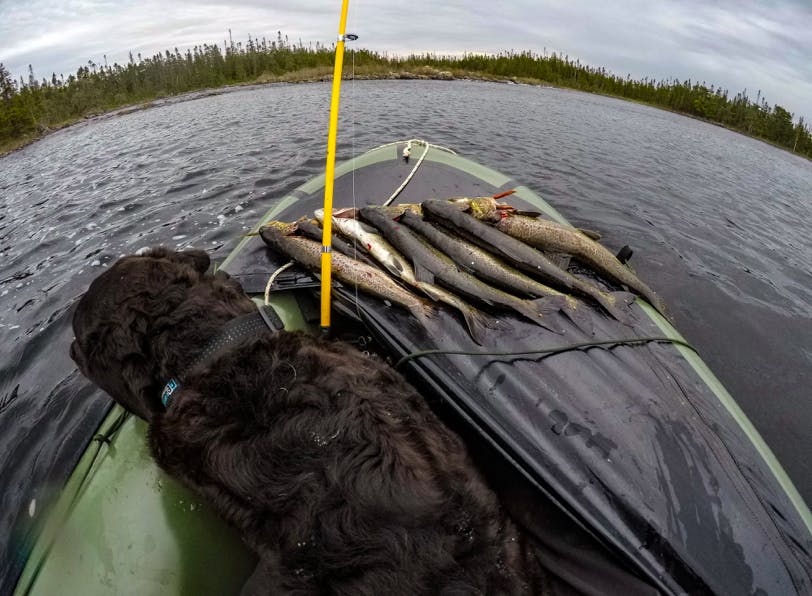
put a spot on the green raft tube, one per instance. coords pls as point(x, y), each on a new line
point(639, 444)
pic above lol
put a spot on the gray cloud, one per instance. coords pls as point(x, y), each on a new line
point(736, 44)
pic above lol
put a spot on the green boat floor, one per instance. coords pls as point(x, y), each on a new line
point(124, 527)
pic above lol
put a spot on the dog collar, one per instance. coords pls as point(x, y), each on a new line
point(169, 389)
point(232, 333)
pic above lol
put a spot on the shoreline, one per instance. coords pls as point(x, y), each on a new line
point(325, 75)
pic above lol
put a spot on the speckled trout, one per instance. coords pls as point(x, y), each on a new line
point(429, 264)
point(312, 230)
point(491, 269)
point(524, 257)
point(553, 236)
point(399, 267)
point(306, 252)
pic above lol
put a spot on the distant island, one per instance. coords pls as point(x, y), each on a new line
point(32, 109)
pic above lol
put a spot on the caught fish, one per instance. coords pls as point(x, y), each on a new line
point(369, 279)
point(489, 268)
point(394, 262)
point(488, 209)
point(553, 236)
point(370, 240)
point(429, 264)
point(311, 230)
point(400, 208)
point(394, 211)
point(523, 256)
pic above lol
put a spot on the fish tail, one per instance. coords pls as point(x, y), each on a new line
point(574, 311)
point(656, 302)
point(539, 311)
point(591, 234)
point(397, 274)
point(424, 313)
point(477, 323)
point(618, 304)
point(623, 298)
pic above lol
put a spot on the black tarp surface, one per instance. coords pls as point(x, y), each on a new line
point(630, 441)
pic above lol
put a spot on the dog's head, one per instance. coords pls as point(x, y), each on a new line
point(120, 314)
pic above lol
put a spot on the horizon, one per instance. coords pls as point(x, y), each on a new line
point(738, 46)
point(20, 79)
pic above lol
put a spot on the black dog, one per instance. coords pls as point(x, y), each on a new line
point(330, 465)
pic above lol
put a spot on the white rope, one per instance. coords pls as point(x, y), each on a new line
point(418, 142)
point(411, 174)
point(272, 279)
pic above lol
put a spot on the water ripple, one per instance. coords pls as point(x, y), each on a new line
point(719, 224)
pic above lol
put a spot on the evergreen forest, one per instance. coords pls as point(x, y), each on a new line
point(31, 108)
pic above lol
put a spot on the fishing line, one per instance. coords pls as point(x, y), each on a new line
point(352, 138)
point(550, 351)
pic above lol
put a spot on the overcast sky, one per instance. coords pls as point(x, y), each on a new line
point(738, 44)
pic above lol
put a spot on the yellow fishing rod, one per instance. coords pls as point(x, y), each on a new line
point(329, 174)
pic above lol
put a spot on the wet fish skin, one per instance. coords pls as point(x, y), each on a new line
point(549, 235)
point(398, 266)
point(430, 264)
point(489, 268)
point(351, 272)
point(553, 236)
point(523, 256)
point(370, 240)
point(398, 209)
point(476, 260)
point(311, 230)
point(490, 210)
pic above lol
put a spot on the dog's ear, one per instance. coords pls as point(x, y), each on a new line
point(195, 257)
point(115, 358)
point(137, 375)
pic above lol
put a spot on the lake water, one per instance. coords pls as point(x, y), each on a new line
point(720, 225)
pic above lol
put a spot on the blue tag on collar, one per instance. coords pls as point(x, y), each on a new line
point(169, 389)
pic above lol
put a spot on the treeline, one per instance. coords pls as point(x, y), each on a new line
point(31, 108)
point(755, 118)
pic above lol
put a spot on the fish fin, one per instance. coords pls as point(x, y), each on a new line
point(591, 234)
point(394, 267)
point(627, 299)
point(618, 304)
point(429, 290)
point(573, 309)
point(346, 213)
point(660, 306)
point(559, 259)
point(477, 322)
point(424, 313)
point(527, 213)
point(653, 299)
point(538, 311)
point(422, 274)
point(392, 270)
point(624, 298)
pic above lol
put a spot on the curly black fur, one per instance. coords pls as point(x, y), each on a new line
point(330, 465)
